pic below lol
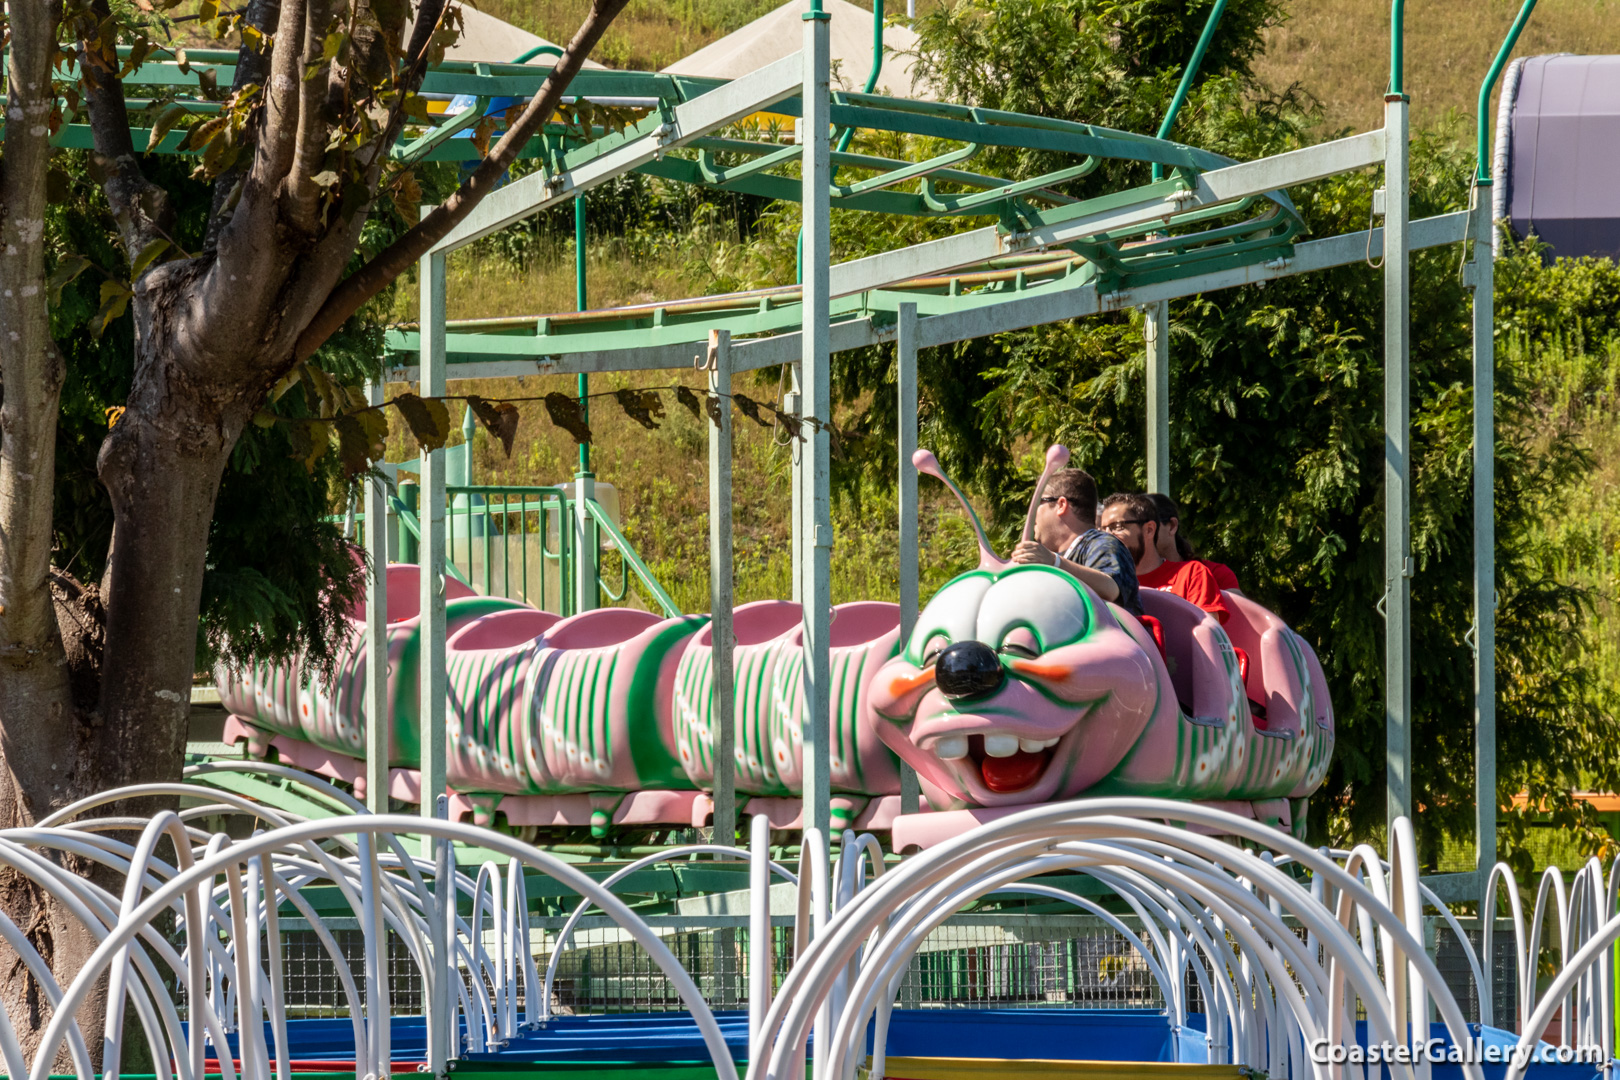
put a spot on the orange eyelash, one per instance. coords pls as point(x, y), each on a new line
point(1055, 672)
point(899, 688)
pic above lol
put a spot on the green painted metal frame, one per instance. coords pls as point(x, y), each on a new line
point(755, 165)
point(543, 501)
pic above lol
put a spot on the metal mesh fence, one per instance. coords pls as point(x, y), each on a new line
point(314, 987)
point(984, 961)
point(1452, 960)
point(970, 962)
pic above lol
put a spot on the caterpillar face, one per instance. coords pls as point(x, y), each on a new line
point(1017, 686)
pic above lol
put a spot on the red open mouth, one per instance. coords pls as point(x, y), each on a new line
point(1005, 775)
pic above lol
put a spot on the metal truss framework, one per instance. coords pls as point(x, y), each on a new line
point(1209, 224)
point(1197, 231)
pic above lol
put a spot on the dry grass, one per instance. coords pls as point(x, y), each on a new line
point(647, 36)
point(662, 480)
point(1338, 50)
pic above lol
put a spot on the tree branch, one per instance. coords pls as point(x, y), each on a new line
point(137, 204)
point(301, 195)
point(251, 68)
point(275, 156)
point(399, 256)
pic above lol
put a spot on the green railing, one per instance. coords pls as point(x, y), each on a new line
point(519, 542)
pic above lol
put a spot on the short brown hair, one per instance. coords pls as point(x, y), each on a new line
point(1138, 507)
point(1079, 488)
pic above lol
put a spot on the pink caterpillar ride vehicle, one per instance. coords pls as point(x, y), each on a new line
point(1018, 685)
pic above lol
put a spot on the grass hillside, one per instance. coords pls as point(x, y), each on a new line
point(1338, 51)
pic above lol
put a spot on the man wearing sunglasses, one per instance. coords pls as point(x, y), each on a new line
point(1067, 537)
point(1134, 519)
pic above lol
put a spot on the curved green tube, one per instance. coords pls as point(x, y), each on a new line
point(1397, 42)
point(536, 51)
point(1187, 77)
point(877, 66)
point(1482, 123)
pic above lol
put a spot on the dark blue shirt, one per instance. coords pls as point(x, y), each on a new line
point(1102, 551)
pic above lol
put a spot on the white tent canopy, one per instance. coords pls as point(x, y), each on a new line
point(492, 40)
point(781, 32)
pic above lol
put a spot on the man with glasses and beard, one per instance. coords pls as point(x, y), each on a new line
point(1134, 519)
point(1067, 537)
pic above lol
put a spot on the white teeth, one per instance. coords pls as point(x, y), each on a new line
point(1035, 746)
point(1048, 744)
point(950, 747)
point(1001, 745)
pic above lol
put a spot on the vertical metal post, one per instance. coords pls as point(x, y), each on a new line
point(431, 706)
point(816, 513)
point(1483, 280)
point(759, 930)
point(377, 714)
point(794, 404)
point(1398, 566)
point(408, 545)
point(587, 549)
point(1156, 330)
point(720, 593)
point(905, 348)
point(440, 1029)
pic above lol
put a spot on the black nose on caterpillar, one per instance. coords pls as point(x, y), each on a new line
point(968, 669)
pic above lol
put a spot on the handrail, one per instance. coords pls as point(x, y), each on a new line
point(1187, 77)
point(1482, 175)
point(551, 499)
point(408, 519)
point(628, 554)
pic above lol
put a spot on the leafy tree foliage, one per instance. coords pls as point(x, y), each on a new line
point(1277, 413)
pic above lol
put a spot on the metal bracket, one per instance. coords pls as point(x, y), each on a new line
point(1383, 609)
point(1379, 208)
point(1470, 275)
point(1471, 639)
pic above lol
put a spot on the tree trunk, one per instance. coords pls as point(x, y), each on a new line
point(161, 464)
point(46, 756)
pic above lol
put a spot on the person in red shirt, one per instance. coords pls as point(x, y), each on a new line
point(1134, 519)
point(1174, 547)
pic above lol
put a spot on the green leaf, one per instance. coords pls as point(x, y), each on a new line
point(69, 268)
point(355, 446)
point(286, 382)
point(147, 256)
point(171, 115)
point(310, 440)
point(58, 187)
point(428, 419)
point(115, 298)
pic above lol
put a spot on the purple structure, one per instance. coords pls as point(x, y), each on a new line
point(1557, 160)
